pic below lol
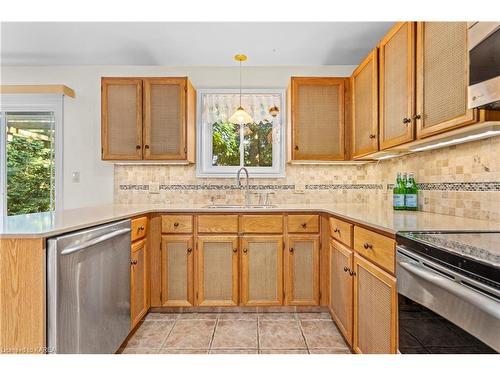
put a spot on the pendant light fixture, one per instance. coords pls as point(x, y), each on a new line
point(240, 117)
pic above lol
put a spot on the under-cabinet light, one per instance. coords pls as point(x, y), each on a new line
point(468, 138)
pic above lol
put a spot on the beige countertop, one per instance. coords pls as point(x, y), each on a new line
point(371, 215)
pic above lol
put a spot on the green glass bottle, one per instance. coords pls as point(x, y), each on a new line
point(411, 194)
point(398, 194)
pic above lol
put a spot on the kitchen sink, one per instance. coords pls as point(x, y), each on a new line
point(240, 206)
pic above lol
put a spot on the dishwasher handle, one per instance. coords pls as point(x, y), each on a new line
point(488, 305)
point(94, 241)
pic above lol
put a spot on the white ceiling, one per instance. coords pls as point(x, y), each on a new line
point(188, 44)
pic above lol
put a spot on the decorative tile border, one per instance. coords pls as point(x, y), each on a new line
point(456, 186)
point(344, 186)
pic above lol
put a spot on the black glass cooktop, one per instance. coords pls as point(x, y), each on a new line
point(476, 254)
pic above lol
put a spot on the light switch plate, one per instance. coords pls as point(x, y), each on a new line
point(154, 188)
point(75, 177)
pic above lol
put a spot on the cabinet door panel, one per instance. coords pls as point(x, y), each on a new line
point(442, 77)
point(302, 270)
point(164, 118)
point(365, 106)
point(397, 63)
point(262, 276)
point(121, 118)
point(139, 281)
point(318, 118)
point(341, 288)
point(375, 309)
point(177, 270)
point(217, 271)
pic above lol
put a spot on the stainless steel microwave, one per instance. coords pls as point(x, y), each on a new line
point(484, 65)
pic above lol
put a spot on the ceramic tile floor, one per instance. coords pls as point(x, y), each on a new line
point(237, 333)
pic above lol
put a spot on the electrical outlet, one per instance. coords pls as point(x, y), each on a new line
point(75, 177)
point(299, 189)
point(154, 188)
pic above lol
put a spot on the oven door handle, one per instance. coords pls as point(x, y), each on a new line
point(487, 304)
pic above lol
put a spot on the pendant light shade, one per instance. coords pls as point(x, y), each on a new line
point(240, 117)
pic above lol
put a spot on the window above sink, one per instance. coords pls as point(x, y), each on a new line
point(224, 147)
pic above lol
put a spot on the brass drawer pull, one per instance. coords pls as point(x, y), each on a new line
point(336, 230)
point(367, 245)
point(189, 250)
point(235, 250)
point(303, 225)
point(146, 147)
point(176, 225)
point(245, 251)
point(141, 228)
point(138, 147)
point(291, 249)
point(406, 120)
point(372, 136)
point(133, 262)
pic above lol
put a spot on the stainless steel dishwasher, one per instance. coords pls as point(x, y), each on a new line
point(88, 289)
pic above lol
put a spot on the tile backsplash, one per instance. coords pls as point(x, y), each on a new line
point(462, 180)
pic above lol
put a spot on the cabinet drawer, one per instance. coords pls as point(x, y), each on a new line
point(375, 247)
point(139, 227)
point(262, 223)
point(218, 223)
point(177, 224)
point(341, 231)
point(303, 223)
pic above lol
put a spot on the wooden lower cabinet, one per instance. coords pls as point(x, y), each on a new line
point(138, 282)
point(341, 288)
point(375, 309)
point(217, 267)
point(177, 271)
point(262, 270)
point(302, 270)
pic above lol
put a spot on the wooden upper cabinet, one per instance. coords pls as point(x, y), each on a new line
point(364, 106)
point(442, 77)
point(121, 118)
point(148, 119)
point(397, 85)
point(317, 118)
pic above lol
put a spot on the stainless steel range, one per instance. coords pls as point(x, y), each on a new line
point(449, 292)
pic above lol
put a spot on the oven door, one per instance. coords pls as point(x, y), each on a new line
point(441, 311)
point(484, 65)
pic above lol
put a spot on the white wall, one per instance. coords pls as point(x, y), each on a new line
point(82, 140)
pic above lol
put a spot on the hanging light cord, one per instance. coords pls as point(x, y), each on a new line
point(240, 83)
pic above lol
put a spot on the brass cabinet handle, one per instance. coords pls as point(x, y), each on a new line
point(417, 117)
point(303, 225)
point(352, 273)
point(372, 136)
point(336, 230)
point(346, 269)
point(245, 251)
point(189, 250)
point(296, 147)
point(291, 249)
point(146, 147)
point(367, 245)
point(406, 120)
point(133, 262)
point(235, 250)
point(141, 227)
point(138, 147)
point(176, 225)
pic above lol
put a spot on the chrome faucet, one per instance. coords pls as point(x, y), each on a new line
point(238, 180)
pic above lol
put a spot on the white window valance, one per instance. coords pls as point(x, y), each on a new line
point(219, 107)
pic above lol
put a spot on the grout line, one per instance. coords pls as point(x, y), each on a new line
point(168, 335)
point(304, 337)
point(213, 334)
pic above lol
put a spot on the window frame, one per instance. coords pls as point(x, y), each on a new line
point(32, 103)
point(204, 168)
